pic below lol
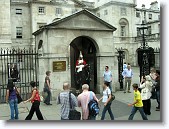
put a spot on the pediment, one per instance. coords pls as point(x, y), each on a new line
point(80, 20)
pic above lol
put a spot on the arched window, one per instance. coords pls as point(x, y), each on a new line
point(123, 27)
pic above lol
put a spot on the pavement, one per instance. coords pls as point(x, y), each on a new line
point(52, 112)
point(119, 107)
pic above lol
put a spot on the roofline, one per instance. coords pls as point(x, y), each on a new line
point(73, 15)
point(115, 3)
point(148, 10)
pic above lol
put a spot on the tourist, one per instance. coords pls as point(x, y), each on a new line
point(47, 88)
point(83, 100)
point(106, 100)
point(107, 75)
point(124, 66)
point(63, 99)
point(127, 75)
point(35, 100)
point(146, 88)
point(11, 97)
point(137, 104)
point(157, 87)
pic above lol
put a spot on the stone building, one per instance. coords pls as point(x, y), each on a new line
point(124, 15)
point(57, 23)
point(65, 38)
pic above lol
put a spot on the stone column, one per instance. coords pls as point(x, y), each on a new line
point(5, 24)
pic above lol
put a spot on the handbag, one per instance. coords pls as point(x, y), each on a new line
point(73, 113)
point(112, 97)
point(19, 98)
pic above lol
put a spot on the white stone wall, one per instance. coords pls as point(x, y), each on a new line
point(5, 25)
point(24, 21)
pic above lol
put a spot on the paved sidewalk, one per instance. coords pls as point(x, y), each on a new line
point(119, 107)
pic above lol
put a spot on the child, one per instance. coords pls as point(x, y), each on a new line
point(137, 104)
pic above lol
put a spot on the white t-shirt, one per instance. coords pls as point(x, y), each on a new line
point(106, 93)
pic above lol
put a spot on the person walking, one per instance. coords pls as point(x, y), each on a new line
point(106, 100)
point(157, 87)
point(63, 99)
point(127, 75)
point(107, 75)
point(153, 79)
point(83, 100)
point(35, 100)
point(47, 88)
point(146, 88)
point(11, 98)
point(137, 104)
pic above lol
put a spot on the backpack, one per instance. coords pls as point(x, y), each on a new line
point(93, 106)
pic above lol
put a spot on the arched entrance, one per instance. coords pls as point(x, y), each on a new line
point(87, 46)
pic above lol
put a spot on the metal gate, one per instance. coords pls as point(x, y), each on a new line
point(21, 65)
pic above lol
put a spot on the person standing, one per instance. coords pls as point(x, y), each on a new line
point(63, 99)
point(83, 100)
point(47, 88)
point(35, 100)
point(157, 87)
point(107, 75)
point(153, 79)
point(106, 100)
point(124, 66)
point(137, 104)
point(146, 88)
point(11, 98)
point(127, 75)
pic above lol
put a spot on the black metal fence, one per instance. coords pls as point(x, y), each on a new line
point(21, 65)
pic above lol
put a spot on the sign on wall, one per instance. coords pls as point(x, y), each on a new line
point(59, 66)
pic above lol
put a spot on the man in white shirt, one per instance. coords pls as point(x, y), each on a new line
point(127, 75)
point(107, 75)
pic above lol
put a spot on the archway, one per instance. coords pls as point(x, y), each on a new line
point(89, 49)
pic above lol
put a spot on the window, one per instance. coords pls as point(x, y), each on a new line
point(98, 14)
point(105, 12)
point(137, 14)
point(138, 32)
point(41, 25)
point(123, 11)
point(149, 30)
point(19, 11)
point(41, 10)
point(123, 31)
point(150, 16)
point(159, 28)
point(58, 11)
point(158, 17)
point(18, 32)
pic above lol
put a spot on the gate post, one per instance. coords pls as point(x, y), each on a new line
point(120, 67)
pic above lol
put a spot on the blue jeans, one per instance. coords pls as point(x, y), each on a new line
point(13, 103)
point(158, 98)
point(107, 107)
point(134, 110)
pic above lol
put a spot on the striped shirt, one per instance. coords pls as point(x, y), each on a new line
point(63, 99)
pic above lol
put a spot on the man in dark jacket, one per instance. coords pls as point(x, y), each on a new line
point(157, 87)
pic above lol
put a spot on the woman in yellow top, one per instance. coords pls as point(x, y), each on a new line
point(137, 104)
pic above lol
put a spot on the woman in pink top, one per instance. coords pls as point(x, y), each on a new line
point(83, 100)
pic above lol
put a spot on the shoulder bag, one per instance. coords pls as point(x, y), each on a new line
point(73, 113)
